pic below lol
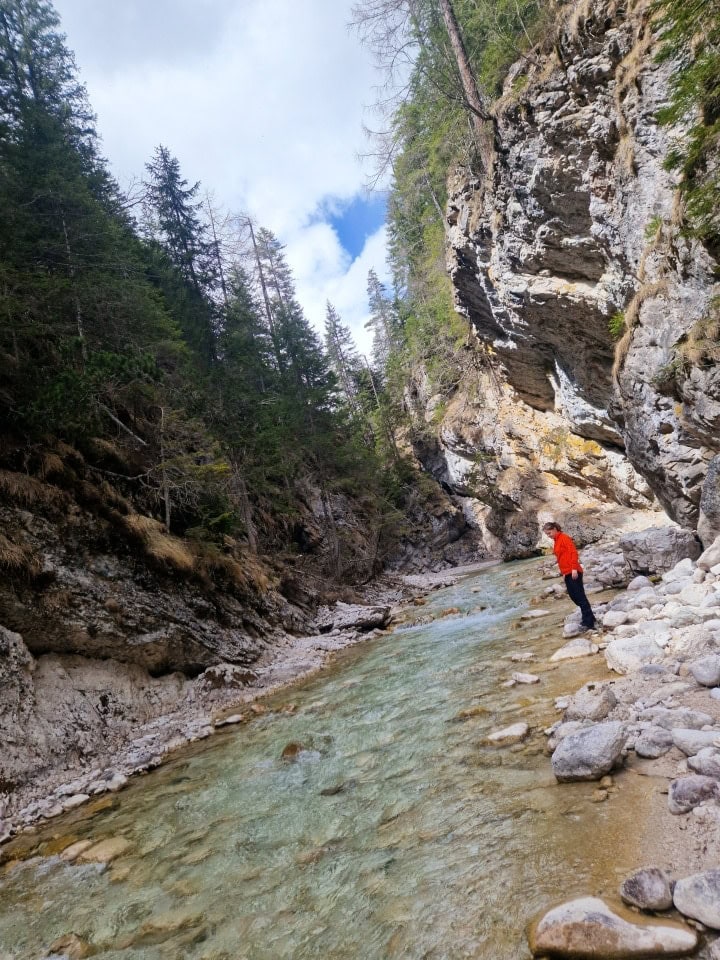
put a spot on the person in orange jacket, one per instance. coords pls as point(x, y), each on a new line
point(567, 557)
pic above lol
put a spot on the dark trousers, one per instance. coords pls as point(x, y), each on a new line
point(576, 590)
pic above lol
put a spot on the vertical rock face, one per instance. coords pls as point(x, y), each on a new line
point(579, 225)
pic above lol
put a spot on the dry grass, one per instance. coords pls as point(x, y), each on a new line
point(158, 545)
point(702, 346)
point(107, 452)
point(247, 575)
point(17, 560)
point(27, 491)
point(69, 454)
point(51, 465)
point(647, 291)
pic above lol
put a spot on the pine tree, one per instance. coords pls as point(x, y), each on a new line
point(342, 355)
point(172, 220)
point(383, 322)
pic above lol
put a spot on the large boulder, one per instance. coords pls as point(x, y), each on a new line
point(627, 654)
point(709, 519)
point(587, 928)
point(698, 897)
point(590, 753)
point(706, 670)
point(710, 557)
point(657, 549)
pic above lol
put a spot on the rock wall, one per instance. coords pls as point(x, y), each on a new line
point(580, 224)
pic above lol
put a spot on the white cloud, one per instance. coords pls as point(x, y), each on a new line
point(261, 100)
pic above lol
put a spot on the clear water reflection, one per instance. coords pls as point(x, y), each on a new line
point(395, 833)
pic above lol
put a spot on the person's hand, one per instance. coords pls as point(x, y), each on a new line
point(574, 574)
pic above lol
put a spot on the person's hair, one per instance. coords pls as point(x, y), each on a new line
point(552, 526)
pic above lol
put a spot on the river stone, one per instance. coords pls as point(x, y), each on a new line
point(715, 694)
point(698, 896)
point(706, 762)
point(687, 792)
point(709, 519)
point(590, 753)
point(533, 614)
point(580, 647)
point(648, 889)
point(639, 583)
point(653, 743)
point(105, 851)
point(681, 571)
point(693, 741)
point(681, 717)
point(658, 549)
point(72, 947)
point(587, 928)
point(710, 557)
point(512, 734)
point(614, 618)
point(72, 852)
point(706, 670)
point(525, 678)
point(591, 702)
point(627, 654)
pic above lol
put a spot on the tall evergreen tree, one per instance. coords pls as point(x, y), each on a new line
point(172, 220)
point(383, 322)
point(342, 355)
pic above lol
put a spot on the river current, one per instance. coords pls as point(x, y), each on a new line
point(395, 833)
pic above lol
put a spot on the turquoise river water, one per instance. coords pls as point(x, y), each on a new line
point(396, 833)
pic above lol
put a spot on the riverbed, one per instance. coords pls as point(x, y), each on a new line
point(392, 829)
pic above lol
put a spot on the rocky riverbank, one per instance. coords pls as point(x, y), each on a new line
point(222, 695)
point(657, 715)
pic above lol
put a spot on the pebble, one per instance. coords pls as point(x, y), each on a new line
point(228, 721)
point(533, 614)
point(525, 678)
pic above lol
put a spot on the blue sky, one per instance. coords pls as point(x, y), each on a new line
point(357, 220)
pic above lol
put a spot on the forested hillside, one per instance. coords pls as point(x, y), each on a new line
point(156, 363)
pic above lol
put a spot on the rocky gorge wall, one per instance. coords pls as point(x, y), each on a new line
point(579, 224)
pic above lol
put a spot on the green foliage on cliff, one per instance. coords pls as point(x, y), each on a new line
point(430, 132)
point(691, 36)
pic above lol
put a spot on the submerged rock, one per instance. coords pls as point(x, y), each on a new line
point(512, 734)
point(105, 851)
point(590, 753)
point(588, 928)
point(525, 678)
point(698, 896)
point(648, 889)
point(579, 647)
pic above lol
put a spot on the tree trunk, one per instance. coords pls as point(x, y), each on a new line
point(266, 299)
point(481, 120)
point(163, 471)
point(246, 508)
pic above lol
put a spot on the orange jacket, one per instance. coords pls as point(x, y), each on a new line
point(566, 554)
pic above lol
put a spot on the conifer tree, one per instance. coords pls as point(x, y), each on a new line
point(383, 322)
point(342, 355)
point(172, 220)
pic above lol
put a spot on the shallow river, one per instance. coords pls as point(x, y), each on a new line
point(396, 833)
